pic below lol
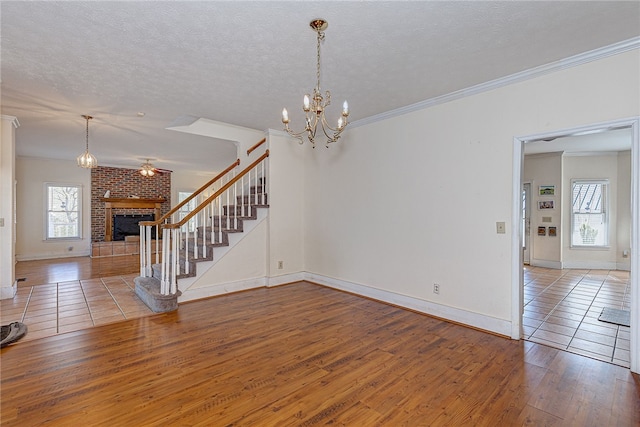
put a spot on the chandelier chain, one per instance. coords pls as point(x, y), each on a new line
point(87, 133)
point(320, 37)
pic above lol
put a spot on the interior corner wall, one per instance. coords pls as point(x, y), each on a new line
point(604, 166)
point(545, 169)
point(413, 200)
point(287, 195)
point(31, 175)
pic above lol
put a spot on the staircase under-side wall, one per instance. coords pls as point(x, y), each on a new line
point(194, 244)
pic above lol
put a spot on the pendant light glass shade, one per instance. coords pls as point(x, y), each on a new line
point(87, 160)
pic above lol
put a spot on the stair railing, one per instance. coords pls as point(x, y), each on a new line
point(212, 220)
point(173, 216)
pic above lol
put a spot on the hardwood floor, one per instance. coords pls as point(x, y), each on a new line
point(47, 271)
point(305, 355)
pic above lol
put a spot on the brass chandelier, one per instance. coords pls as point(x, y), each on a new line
point(314, 106)
point(87, 160)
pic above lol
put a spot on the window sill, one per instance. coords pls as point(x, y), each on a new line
point(590, 248)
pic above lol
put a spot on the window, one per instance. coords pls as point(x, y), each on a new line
point(184, 210)
point(63, 211)
point(589, 223)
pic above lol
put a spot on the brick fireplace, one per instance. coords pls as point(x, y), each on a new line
point(151, 195)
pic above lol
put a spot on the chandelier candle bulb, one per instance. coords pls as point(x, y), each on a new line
point(345, 109)
point(305, 103)
point(285, 116)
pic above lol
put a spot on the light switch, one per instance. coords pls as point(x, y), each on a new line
point(1, 222)
point(500, 227)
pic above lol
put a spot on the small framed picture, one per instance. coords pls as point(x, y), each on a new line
point(542, 231)
point(547, 190)
point(553, 232)
point(546, 204)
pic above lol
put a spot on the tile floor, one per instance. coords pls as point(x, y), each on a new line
point(55, 308)
point(561, 309)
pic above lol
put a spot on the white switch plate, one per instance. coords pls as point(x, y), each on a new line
point(500, 228)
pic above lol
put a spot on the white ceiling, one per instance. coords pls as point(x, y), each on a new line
point(240, 62)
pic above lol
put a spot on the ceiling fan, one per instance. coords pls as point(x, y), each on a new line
point(147, 169)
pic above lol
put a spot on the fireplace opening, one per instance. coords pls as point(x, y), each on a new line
point(127, 225)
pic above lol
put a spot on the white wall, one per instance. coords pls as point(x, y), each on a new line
point(545, 169)
point(188, 182)
point(31, 174)
point(287, 177)
point(8, 284)
point(413, 200)
point(624, 211)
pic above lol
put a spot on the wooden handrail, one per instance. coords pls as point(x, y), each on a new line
point(262, 141)
point(194, 194)
point(217, 193)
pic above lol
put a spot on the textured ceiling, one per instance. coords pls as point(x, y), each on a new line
point(240, 62)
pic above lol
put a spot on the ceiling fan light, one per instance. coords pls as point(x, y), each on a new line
point(147, 169)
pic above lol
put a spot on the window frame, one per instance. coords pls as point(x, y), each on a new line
point(47, 211)
point(605, 188)
point(186, 209)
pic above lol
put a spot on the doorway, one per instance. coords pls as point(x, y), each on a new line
point(518, 276)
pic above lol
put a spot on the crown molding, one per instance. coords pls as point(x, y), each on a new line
point(11, 119)
point(572, 61)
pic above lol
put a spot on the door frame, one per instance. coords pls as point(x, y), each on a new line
point(517, 275)
point(528, 241)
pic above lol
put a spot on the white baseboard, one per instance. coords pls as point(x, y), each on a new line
point(286, 279)
point(591, 265)
point(36, 257)
point(221, 289)
point(546, 264)
point(475, 320)
point(8, 292)
point(625, 266)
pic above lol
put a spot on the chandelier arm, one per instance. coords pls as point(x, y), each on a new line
point(336, 132)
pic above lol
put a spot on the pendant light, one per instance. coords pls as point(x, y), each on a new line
point(87, 160)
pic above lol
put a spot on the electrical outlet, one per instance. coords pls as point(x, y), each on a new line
point(280, 265)
point(500, 227)
point(436, 288)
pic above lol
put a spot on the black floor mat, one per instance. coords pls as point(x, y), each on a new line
point(12, 333)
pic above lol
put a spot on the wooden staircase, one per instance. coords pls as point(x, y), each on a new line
point(217, 235)
point(201, 234)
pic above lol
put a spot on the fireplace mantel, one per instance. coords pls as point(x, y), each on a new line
point(127, 203)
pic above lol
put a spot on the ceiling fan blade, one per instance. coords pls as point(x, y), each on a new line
point(160, 170)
